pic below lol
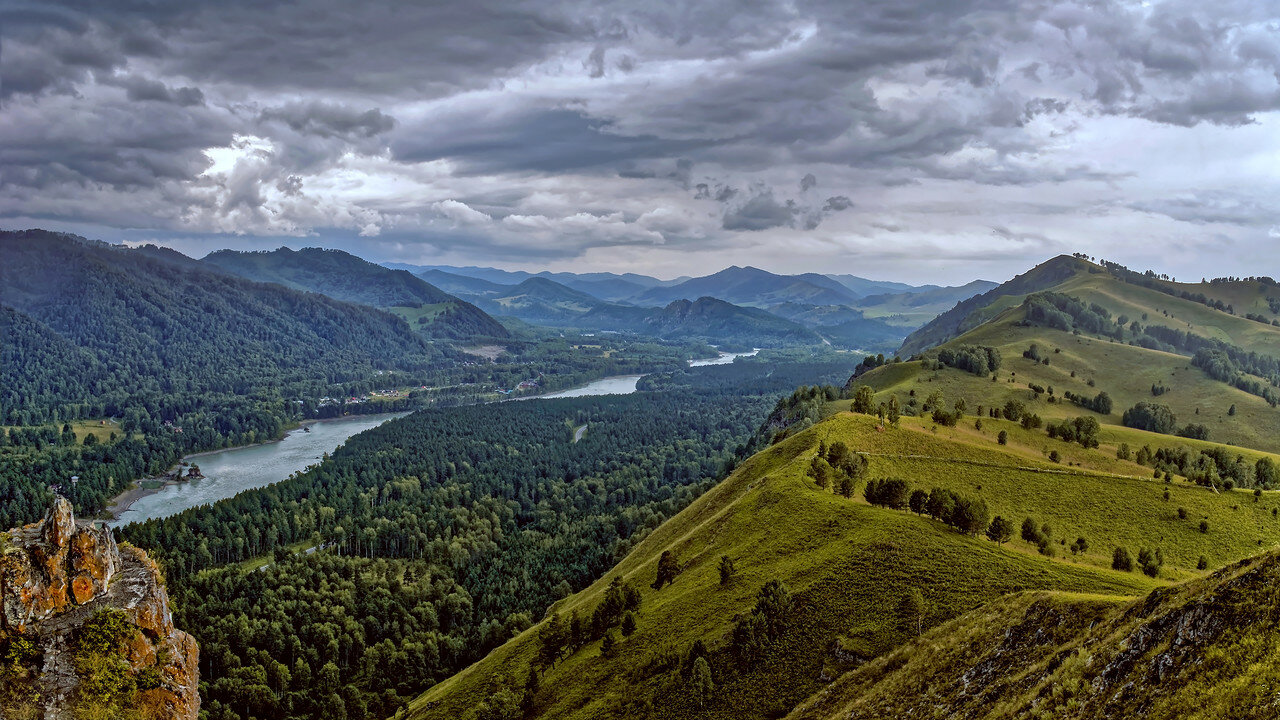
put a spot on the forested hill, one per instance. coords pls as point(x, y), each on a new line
point(344, 276)
point(102, 328)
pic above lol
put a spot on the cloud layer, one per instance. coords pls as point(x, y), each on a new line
point(939, 139)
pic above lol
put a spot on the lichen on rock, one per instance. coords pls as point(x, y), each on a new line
point(59, 574)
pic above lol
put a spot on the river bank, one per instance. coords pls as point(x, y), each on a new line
point(228, 471)
point(231, 470)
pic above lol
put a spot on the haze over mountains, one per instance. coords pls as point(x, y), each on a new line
point(846, 310)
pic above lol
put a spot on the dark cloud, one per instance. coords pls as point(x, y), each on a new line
point(529, 118)
point(837, 203)
point(536, 140)
point(760, 212)
point(139, 89)
point(331, 120)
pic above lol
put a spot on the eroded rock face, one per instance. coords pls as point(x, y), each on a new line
point(58, 574)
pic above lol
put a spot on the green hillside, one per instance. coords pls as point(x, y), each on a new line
point(847, 565)
point(1125, 353)
point(345, 277)
point(1201, 650)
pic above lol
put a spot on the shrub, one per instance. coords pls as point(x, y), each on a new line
point(1121, 560)
point(1000, 530)
point(1080, 546)
point(1150, 561)
point(1151, 417)
point(975, 359)
point(889, 492)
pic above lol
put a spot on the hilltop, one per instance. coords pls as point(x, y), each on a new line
point(706, 318)
point(753, 286)
point(1082, 328)
point(343, 276)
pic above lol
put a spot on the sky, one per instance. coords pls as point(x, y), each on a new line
point(915, 140)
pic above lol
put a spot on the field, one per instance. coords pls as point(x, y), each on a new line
point(422, 315)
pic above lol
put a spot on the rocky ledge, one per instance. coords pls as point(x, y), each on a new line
point(58, 574)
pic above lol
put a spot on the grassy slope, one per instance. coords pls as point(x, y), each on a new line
point(1124, 371)
point(849, 562)
point(1201, 650)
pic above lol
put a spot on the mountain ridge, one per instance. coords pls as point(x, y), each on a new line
point(343, 276)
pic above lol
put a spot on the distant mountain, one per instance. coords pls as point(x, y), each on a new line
point(917, 307)
point(601, 285)
point(343, 276)
point(862, 287)
point(753, 287)
point(175, 331)
point(707, 318)
point(540, 301)
point(461, 285)
point(843, 326)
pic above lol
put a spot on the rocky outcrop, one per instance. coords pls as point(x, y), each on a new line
point(59, 573)
point(1204, 648)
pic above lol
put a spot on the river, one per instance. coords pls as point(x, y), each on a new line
point(227, 472)
point(725, 358)
point(626, 384)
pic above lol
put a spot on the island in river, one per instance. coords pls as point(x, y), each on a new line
point(227, 472)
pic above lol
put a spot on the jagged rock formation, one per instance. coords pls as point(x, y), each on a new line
point(58, 574)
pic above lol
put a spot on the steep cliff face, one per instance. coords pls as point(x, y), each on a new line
point(85, 625)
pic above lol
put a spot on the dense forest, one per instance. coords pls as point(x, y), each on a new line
point(174, 356)
point(343, 276)
point(491, 513)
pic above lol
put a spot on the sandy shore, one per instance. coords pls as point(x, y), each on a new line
point(126, 499)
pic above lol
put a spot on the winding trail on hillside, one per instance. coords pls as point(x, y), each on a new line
point(982, 463)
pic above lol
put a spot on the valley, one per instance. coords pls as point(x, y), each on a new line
point(516, 360)
point(712, 510)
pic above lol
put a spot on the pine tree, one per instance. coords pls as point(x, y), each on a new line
point(668, 569)
point(728, 571)
point(701, 686)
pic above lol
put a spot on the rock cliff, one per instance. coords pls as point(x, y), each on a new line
point(85, 624)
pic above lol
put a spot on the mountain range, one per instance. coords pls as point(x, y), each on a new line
point(829, 308)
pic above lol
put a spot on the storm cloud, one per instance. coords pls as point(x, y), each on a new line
point(971, 136)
